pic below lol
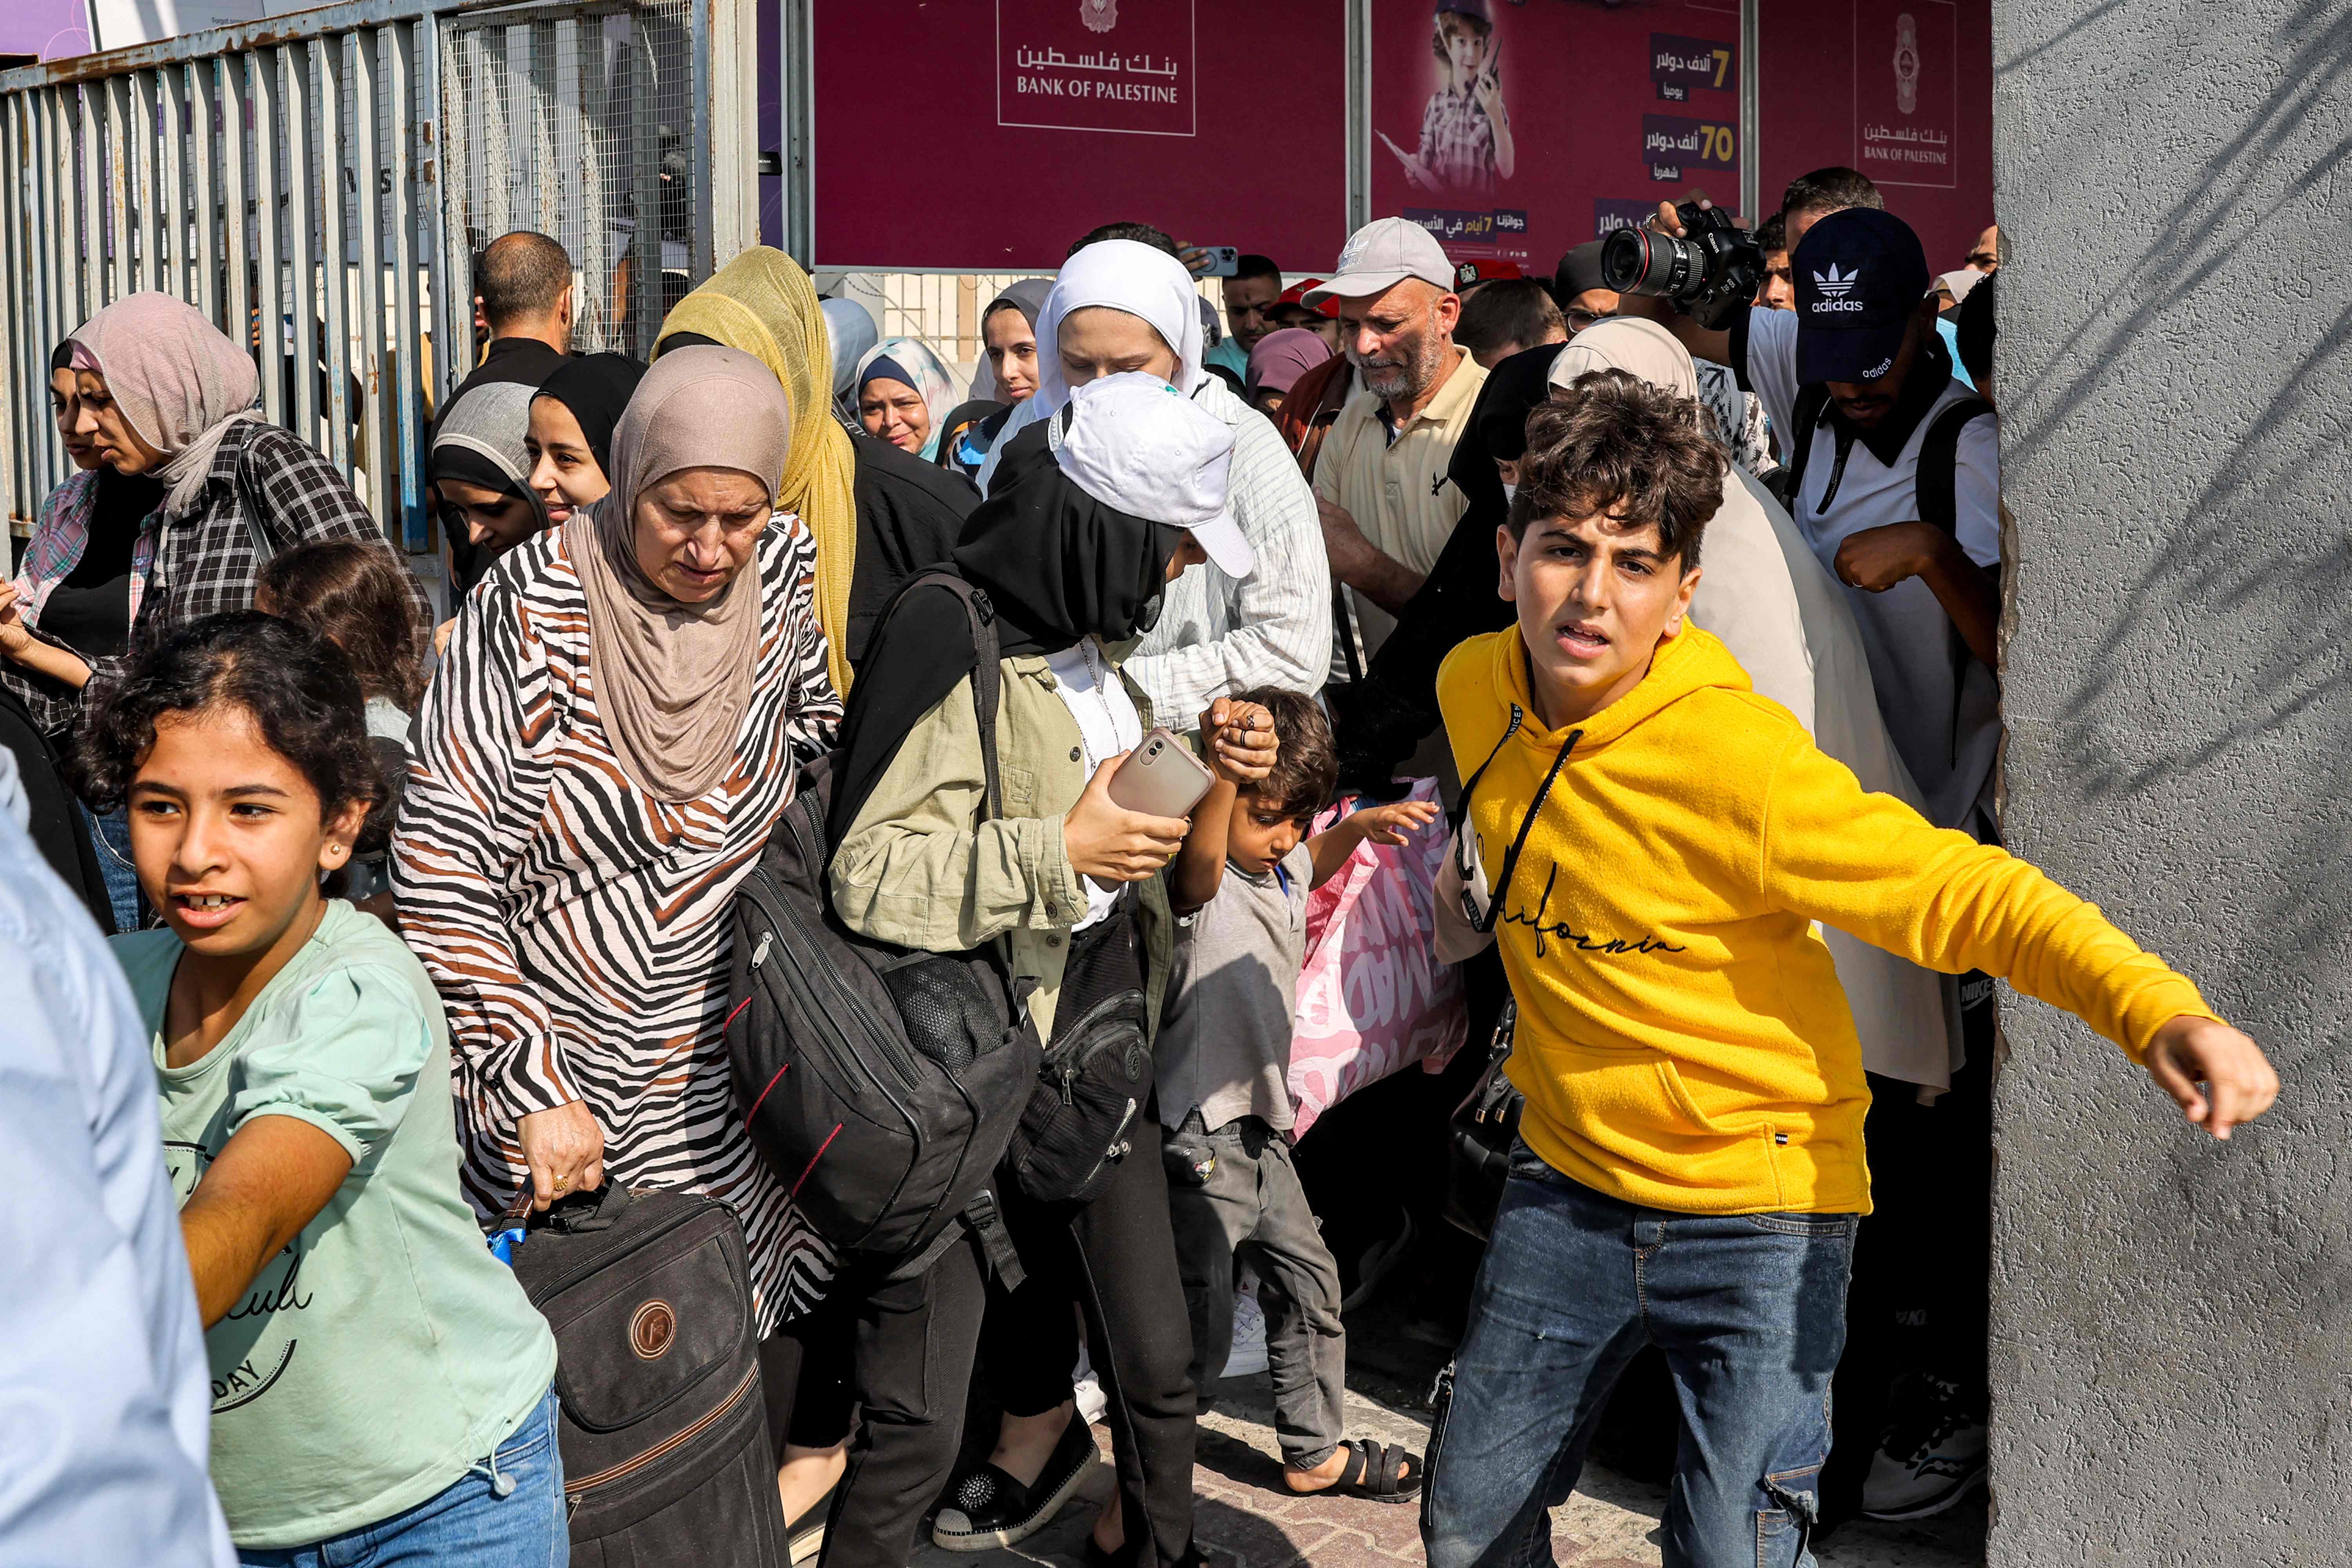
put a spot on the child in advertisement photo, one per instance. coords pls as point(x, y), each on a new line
point(1465, 131)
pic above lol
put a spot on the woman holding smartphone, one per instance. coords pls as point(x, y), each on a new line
point(1093, 513)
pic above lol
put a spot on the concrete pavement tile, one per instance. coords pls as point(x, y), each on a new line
point(1250, 1539)
point(1245, 1518)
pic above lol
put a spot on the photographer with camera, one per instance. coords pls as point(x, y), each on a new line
point(1894, 476)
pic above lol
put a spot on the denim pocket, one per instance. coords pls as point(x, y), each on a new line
point(1822, 1226)
point(1782, 1533)
point(536, 1434)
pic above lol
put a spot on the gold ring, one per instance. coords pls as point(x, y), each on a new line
point(561, 1181)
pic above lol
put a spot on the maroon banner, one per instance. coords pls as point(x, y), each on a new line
point(986, 136)
point(1901, 90)
point(1515, 129)
point(1906, 94)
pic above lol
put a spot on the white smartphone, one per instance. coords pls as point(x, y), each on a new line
point(1161, 778)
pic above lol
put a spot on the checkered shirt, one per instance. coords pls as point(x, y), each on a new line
point(199, 563)
point(1457, 142)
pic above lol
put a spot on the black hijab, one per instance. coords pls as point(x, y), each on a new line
point(1057, 566)
point(1498, 426)
point(597, 388)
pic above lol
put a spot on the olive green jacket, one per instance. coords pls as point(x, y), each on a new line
point(917, 867)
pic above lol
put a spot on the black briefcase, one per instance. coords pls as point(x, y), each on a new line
point(664, 1437)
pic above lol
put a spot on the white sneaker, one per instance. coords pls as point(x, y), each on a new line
point(1932, 1453)
point(1248, 1358)
point(1092, 1401)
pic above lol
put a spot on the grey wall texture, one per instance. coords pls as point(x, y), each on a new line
point(2172, 1333)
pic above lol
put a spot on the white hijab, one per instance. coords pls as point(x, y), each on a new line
point(1773, 604)
point(1123, 275)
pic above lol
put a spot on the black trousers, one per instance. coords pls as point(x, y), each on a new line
point(1921, 1293)
point(805, 1376)
point(1116, 1258)
point(911, 1358)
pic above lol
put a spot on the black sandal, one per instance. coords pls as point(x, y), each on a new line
point(1371, 1472)
point(987, 1509)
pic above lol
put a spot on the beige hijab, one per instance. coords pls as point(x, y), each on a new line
point(177, 378)
point(672, 679)
point(1638, 347)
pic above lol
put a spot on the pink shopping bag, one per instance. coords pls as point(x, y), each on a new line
point(1372, 997)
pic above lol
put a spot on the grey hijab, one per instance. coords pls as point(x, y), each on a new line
point(480, 441)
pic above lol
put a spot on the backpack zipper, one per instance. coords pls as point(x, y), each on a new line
point(1066, 1062)
point(573, 1489)
point(1112, 1148)
point(780, 912)
point(908, 1074)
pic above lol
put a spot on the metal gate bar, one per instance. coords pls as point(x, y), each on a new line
point(293, 178)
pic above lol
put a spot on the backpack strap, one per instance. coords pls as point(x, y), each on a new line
point(1938, 477)
point(987, 674)
point(981, 1218)
point(264, 549)
point(1935, 487)
point(1813, 401)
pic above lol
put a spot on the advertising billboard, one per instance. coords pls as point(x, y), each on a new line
point(1901, 90)
point(1514, 129)
point(986, 136)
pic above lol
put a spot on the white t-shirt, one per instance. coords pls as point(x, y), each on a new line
point(1107, 724)
point(1940, 710)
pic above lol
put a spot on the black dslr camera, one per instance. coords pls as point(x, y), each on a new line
point(1712, 271)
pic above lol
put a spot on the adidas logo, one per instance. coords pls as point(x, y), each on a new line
point(1834, 284)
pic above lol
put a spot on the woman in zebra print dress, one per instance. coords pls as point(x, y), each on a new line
point(615, 728)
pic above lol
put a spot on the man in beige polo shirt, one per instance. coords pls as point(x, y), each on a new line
point(1379, 483)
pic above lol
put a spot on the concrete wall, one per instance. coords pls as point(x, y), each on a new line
point(2172, 1358)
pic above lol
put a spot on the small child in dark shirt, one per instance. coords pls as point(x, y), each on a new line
point(1240, 886)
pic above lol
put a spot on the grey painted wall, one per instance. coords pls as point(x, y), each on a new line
point(2172, 1355)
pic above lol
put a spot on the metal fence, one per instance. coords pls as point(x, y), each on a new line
point(579, 122)
point(318, 184)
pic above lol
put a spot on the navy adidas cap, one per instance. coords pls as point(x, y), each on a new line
point(1860, 275)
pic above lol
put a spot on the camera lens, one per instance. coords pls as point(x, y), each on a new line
point(1644, 261)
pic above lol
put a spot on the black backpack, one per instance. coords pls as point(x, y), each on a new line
point(662, 1429)
point(881, 1084)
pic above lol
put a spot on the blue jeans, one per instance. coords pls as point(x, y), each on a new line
point(1750, 1310)
point(506, 1513)
point(110, 836)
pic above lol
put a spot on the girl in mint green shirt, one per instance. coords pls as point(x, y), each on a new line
point(381, 1384)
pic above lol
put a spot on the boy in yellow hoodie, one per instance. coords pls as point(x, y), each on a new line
point(1651, 844)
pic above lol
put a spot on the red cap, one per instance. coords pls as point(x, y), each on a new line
point(1471, 272)
point(1297, 295)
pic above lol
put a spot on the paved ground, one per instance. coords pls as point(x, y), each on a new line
point(1247, 1519)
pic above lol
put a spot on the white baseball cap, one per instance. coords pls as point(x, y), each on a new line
point(1135, 443)
point(1383, 254)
